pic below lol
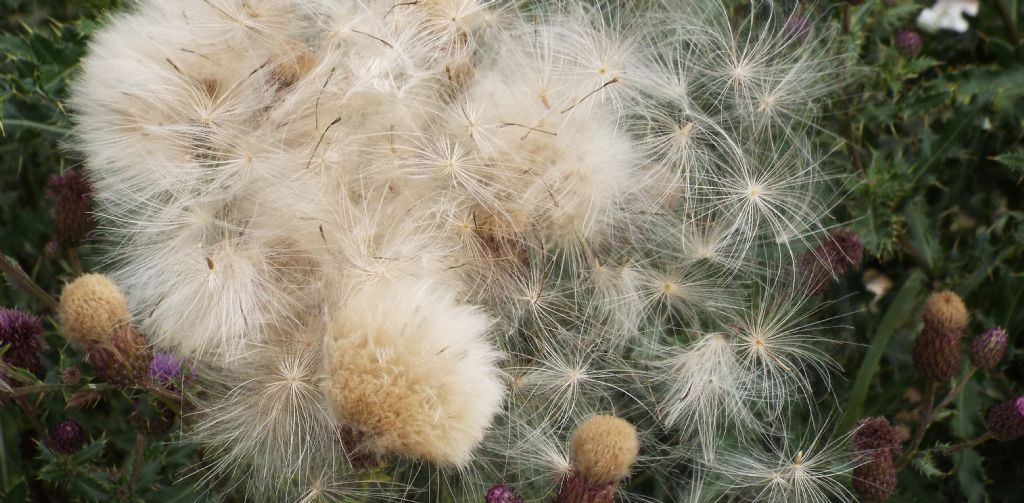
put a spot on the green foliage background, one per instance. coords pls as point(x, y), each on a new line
point(929, 149)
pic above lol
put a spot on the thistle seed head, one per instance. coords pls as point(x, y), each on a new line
point(604, 449)
point(945, 311)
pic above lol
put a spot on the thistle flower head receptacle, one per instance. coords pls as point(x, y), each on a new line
point(72, 196)
point(875, 480)
point(937, 355)
point(945, 311)
point(67, 437)
point(875, 434)
point(91, 307)
point(988, 348)
point(124, 359)
point(908, 42)
point(23, 334)
point(1006, 420)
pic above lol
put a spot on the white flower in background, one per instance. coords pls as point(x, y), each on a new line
point(948, 15)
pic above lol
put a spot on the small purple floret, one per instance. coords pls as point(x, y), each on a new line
point(164, 368)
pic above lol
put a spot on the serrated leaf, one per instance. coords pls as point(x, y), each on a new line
point(925, 463)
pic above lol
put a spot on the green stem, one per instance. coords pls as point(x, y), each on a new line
point(18, 276)
point(922, 427)
point(39, 126)
point(971, 369)
point(43, 388)
point(970, 444)
point(76, 262)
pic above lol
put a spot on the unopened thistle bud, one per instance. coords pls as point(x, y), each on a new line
point(988, 348)
point(502, 494)
point(908, 43)
point(833, 257)
point(23, 335)
point(90, 308)
point(875, 480)
point(945, 312)
point(72, 195)
point(875, 434)
point(937, 355)
point(603, 450)
point(67, 437)
point(125, 359)
point(1006, 420)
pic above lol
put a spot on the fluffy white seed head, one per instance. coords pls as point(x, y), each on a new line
point(410, 372)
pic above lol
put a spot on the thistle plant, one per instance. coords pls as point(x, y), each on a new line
point(423, 241)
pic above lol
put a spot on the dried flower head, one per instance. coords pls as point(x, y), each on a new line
point(604, 449)
point(91, 307)
point(945, 311)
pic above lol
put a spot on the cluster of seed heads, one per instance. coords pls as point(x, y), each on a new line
point(391, 235)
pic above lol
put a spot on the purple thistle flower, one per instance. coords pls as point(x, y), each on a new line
point(987, 349)
point(24, 334)
point(1006, 420)
point(502, 494)
point(164, 368)
point(67, 437)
